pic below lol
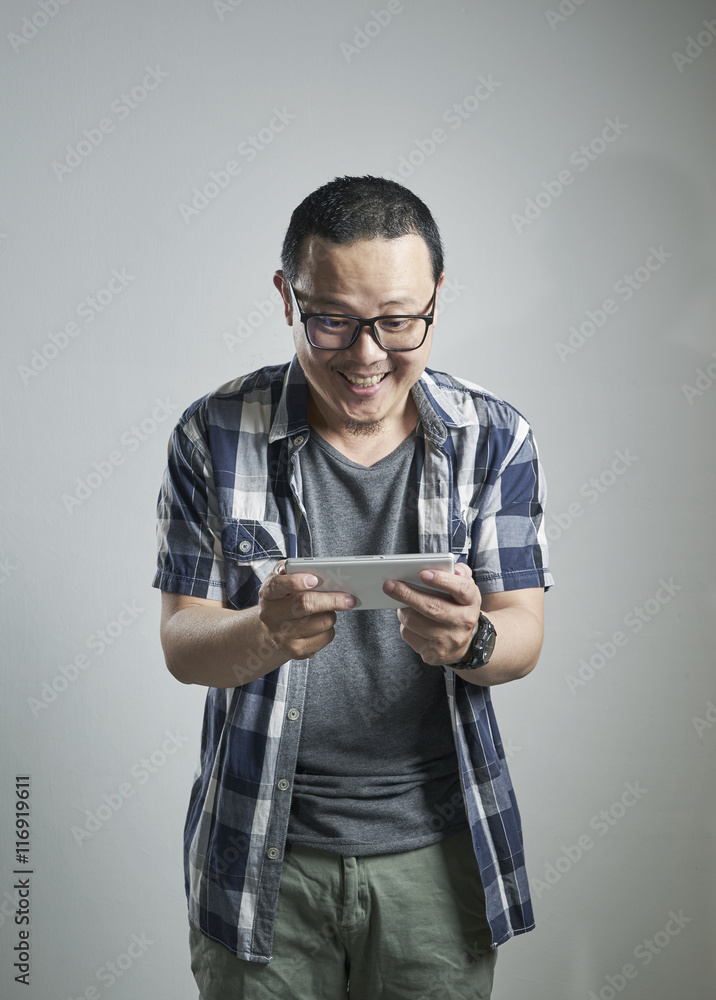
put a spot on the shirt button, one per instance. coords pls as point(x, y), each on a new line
point(283, 784)
point(244, 546)
point(272, 853)
point(299, 440)
point(293, 713)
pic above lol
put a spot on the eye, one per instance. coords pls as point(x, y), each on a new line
point(395, 324)
point(333, 324)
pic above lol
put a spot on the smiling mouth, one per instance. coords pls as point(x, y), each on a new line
point(364, 382)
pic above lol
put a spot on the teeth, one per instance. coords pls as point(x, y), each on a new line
point(373, 380)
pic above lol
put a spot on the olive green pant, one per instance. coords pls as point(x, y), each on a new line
point(402, 926)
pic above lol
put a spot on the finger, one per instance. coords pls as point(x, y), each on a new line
point(445, 633)
point(280, 584)
point(412, 639)
point(459, 585)
point(302, 606)
point(307, 627)
point(419, 625)
point(426, 652)
point(438, 606)
point(307, 649)
point(315, 602)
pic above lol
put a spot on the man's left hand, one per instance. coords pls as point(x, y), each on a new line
point(439, 628)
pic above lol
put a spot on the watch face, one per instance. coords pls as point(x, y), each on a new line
point(484, 641)
point(488, 646)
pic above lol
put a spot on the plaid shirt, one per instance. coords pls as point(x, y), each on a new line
point(226, 515)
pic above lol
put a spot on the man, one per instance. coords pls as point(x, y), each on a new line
point(352, 822)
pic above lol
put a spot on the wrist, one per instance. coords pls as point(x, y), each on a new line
point(480, 647)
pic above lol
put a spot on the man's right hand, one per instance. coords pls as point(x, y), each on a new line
point(298, 619)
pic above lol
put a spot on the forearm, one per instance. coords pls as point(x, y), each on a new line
point(219, 647)
point(517, 649)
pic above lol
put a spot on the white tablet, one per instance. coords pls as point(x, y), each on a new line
point(364, 576)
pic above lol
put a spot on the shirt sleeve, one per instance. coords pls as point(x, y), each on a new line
point(189, 559)
point(509, 541)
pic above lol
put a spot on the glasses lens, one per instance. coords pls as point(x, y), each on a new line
point(397, 333)
point(330, 332)
point(401, 333)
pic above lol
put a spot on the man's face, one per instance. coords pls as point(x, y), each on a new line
point(368, 278)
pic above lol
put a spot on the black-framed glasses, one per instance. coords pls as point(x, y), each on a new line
point(336, 332)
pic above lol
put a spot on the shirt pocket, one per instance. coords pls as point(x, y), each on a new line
point(250, 549)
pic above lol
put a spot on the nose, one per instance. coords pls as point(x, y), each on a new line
point(365, 348)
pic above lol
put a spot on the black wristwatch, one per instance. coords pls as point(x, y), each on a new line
point(481, 647)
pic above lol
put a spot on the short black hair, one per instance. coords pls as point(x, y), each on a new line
point(348, 209)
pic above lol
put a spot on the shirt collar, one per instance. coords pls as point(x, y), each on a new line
point(291, 416)
point(436, 407)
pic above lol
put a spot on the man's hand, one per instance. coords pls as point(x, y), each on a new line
point(298, 620)
point(439, 628)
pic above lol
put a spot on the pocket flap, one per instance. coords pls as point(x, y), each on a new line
point(248, 541)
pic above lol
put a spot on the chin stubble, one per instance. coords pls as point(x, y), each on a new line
point(362, 428)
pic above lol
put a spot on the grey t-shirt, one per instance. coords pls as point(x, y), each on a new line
point(377, 769)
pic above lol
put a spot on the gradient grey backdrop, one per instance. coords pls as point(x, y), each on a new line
point(327, 89)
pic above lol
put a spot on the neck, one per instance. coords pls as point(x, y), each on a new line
point(365, 444)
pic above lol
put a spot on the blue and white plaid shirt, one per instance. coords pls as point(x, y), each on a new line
point(226, 515)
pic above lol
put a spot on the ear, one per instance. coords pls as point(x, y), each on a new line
point(439, 285)
point(285, 290)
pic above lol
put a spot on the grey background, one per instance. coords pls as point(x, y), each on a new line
point(644, 714)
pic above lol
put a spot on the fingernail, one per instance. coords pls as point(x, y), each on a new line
point(427, 575)
point(389, 586)
point(311, 581)
point(350, 602)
